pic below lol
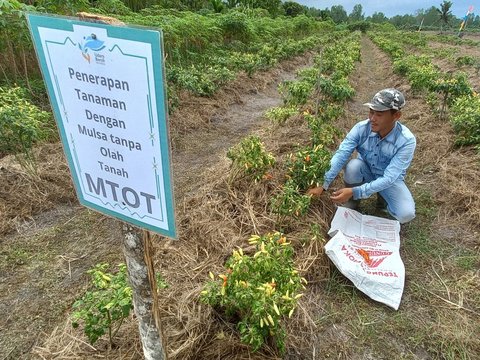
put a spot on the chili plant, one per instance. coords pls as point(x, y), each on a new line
point(450, 88)
point(465, 117)
point(335, 88)
point(307, 167)
point(260, 289)
point(104, 308)
point(250, 157)
point(323, 132)
point(289, 201)
point(296, 92)
point(280, 114)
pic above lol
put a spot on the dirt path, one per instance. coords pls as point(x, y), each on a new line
point(226, 128)
point(373, 73)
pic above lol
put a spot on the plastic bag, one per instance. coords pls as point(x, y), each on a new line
point(366, 250)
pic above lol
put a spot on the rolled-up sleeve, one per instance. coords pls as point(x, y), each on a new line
point(395, 169)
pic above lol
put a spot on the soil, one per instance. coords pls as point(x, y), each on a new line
point(45, 252)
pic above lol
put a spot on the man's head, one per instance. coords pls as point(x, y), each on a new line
point(387, 99)
point(385, 110)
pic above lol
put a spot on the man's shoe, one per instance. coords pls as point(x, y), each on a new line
point(352, 204)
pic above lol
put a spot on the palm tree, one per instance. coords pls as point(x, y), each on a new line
point(444, 13)
point(217, 5)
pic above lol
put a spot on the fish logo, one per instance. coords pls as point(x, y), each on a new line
point(90, 43)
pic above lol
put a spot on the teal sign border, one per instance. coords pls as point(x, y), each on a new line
point(152, 37)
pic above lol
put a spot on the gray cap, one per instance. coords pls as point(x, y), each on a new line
point(387, 99)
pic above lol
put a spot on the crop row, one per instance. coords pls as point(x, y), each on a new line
point(202, 51)
point(444, 91)
point(263, 288)
point(205, 51)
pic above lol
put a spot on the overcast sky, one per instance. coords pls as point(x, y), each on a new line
point(394, 7)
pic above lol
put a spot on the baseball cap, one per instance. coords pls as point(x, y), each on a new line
point(387, 99)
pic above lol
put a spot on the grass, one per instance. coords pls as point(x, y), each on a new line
point(468, 260)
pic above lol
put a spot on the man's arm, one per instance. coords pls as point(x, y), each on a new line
point(339, 159)
point(341, 156)
point(399, 163)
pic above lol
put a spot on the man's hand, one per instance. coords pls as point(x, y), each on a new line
point(341, 196)
point(316, 191)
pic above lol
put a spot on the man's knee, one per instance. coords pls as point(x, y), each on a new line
point(353, 172)
point(405, 215)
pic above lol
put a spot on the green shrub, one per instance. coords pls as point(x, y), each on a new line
point(104, 308)
point(450, 87)
point(339, 58)
point(323, 132)
point(336, 89)
point(328, 112)
point(236, 26)
point(465, 117)
point(307, 167)
point(198, 80)
point(296, 92)
point(309, 74)
point(22, 124)
point(289, 201)
point(362, 26)
point(251, 158)
point(419, 70)
point(65, 7)
point(260, 290)
point(281, 114)
point(390, 47)
point(465, 60)
point(113, 7)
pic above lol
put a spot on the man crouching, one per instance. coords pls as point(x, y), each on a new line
point(385, 150)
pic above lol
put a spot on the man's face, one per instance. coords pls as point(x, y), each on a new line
point(383, 121)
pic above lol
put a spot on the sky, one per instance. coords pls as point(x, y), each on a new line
point(394, 7)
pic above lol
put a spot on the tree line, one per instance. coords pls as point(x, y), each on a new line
point(434, 17)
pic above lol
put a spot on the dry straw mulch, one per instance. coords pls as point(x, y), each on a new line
point(24, 194)
point(215, 220)
point(217, 216)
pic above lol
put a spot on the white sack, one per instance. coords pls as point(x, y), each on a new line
point(366, 250)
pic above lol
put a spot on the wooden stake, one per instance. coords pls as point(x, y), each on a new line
point(138, 252)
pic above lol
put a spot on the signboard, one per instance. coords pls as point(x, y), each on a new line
point(106, 86)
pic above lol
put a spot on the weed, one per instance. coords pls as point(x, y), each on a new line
point(467, 260)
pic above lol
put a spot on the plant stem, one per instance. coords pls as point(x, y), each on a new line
point(110, 328)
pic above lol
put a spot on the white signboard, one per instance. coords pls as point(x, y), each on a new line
point(106, 86)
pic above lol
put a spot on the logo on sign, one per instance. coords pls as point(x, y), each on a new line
point(89, 44)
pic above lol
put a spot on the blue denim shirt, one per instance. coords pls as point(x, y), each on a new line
point(387, 158)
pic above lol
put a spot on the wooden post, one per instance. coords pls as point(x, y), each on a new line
point(138, 252)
